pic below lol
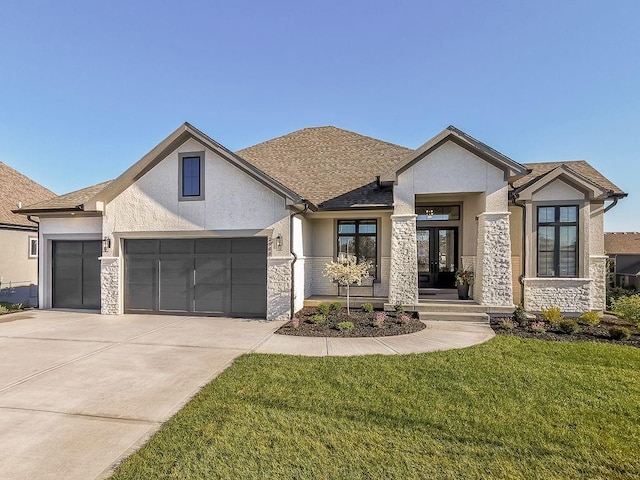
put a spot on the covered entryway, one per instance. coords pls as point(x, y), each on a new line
point(216, 276)
point(76, 274)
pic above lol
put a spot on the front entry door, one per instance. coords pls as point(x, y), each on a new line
point(437, 257)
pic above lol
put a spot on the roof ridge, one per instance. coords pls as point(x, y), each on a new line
point(30, 180)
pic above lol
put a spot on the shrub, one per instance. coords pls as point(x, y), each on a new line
point(323, 308)
point(620, 333)
point(615, 293)
point(318, 318)
point(3, 310)
point(520, 316)
point(552, 314)
point(399, 308)
point(345, 326)
point(538, 327)
point(568, 325)
point(367, 307)
point(507, 324)
point(589, 318)
point(295, 322)
point(335, 306)
point(628, 308)
point(403, 319)
point(379, 319)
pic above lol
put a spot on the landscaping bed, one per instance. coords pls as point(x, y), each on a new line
point(313, 323)
point(554, 331)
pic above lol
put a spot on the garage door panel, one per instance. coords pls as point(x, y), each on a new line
point(249, 261)
point(176, 246)
point(176, 277)
point(248, 307)
point(212, 298)
point(213, 270)
point(249, 276)
point(213, 245)
point(141, 285)
point(91, 277)
point(142, 246)
point(249, 245)
point(250, 292)
point(76, 274)
point(67, 281)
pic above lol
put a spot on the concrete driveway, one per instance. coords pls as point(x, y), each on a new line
point(78, 391)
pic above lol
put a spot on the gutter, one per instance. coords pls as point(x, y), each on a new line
point(616, 198)
point(524, 245)
point(295, 257)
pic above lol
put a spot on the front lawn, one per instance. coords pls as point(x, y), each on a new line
point(509, 408)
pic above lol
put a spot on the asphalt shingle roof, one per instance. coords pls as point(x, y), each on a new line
point(622, 243)
point(17, 188)
point(323, 163)
point(69, 200)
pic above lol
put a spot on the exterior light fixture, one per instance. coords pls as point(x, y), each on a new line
point(278, 242)
point(106, 244)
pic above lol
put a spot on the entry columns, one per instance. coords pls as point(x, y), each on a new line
point(403, 277)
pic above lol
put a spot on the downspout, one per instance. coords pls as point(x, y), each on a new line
point(38, 257)
point(295, 257)
point(523, 246)
point(613, 204)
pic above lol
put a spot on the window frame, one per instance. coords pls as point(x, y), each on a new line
point(356, 236)
point(33, 240)
point(556, 225)
point(181, 157)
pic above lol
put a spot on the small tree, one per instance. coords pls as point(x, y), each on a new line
point(347, 273)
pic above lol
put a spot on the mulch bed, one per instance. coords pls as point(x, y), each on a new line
point(362, 321)
point(586, 333)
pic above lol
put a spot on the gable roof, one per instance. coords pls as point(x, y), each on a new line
point(18, 188)
point(510, 167)
point(72, 201)
point(580, 167)
point(622, 243)
point(323, 163)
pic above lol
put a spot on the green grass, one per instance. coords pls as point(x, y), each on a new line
point(509, 408)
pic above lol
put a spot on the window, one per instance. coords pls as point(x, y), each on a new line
point(433, 213)
point(192, 176)
point(33, 247)
point(558, 241)
point(357, 239)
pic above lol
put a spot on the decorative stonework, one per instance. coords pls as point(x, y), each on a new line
point(493, 282)
point(571, 295)
point(279, 288)
point(403, 275)
point(598, 275)
point(109, 285)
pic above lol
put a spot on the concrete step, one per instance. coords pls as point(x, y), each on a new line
point(461, 307)
point(454, 316)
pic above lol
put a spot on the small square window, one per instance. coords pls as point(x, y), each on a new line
point(33, 247)
point(191, 176)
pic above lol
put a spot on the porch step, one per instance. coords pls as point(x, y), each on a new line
point(459, 307)
point(454, 317)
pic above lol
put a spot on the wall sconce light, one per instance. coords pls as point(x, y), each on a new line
point(106, 244)
point(278, 242)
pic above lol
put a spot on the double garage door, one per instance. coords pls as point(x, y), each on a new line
point(205, 275)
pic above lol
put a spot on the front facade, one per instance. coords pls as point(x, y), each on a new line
point(195, 228)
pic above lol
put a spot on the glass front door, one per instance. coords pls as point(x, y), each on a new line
point(437, 257)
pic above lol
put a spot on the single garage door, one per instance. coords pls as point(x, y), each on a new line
point(216, 276)
point(76, 274)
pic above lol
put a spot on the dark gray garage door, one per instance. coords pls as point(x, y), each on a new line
point(220, 276)
point(76, 274)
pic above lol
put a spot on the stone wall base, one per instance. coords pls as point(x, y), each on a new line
point(109, 285)
point(279, 288)
point(571, 295)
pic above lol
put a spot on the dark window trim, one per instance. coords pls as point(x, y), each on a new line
point(376, 276)
point(181, 157)
point(556, 247)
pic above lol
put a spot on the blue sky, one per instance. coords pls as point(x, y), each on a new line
point(87, 88)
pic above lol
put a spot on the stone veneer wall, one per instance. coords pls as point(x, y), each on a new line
point(598, 274)
point(571, 295)
point(279, 288)
point(109, 285)
point(403, 275)
point(493, 275)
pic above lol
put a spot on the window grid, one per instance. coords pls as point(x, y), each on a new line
point(558, 241)
point(357, 239)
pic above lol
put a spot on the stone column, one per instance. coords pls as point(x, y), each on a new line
point(109, 285)
point(279, 288)
point(403, 275)
point(493, 273)
point(598, 275)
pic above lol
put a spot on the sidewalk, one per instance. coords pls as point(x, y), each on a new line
point(438, 335)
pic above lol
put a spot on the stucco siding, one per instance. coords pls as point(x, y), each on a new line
point(18, 271)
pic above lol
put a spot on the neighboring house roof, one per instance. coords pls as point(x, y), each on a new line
point(580, 167)
point(72, 201)
point(18, 188)
point(622, 243)
point(324, 163)
point(633, 270)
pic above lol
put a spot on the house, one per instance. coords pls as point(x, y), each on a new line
point(623, 249)
point(18, 237)
point(195, 227)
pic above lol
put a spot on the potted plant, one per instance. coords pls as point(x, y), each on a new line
point(464, 278)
